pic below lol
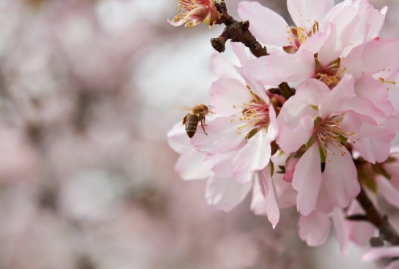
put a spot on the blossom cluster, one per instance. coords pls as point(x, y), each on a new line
point(318, 147)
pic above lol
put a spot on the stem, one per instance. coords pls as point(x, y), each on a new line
point(387, 232)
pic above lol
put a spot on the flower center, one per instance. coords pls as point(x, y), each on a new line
point(298, 36)
point(329, 131)
point(330, 75)
point(193, 12)
point(255, 116)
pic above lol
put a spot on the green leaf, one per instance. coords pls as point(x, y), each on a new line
point(343, 139)
point(252, 133)
point(282, 169)
point(316, 121)
point(310, 142)
point(334, 65)
point(323, 155)
point(317, 65)
point(271, 168)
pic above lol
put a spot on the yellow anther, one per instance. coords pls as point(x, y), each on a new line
point(382, 80)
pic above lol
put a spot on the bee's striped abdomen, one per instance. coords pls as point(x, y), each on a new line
point(191, 124)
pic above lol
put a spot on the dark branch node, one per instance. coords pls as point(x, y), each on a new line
point(237, 32)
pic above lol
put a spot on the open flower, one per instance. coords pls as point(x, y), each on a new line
point(270, 28)
point(310, 17)
point(193, 12)
point(317, 117)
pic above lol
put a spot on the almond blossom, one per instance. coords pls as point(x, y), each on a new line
point(193, 12)
point(324, 119)
point(385, 252)
point(318, 146)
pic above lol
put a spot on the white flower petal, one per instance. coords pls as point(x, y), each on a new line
point(226, 193)
point(190, 167)
point(314, 229)
point(265, 24)
point(340, 176)
point(307, 180)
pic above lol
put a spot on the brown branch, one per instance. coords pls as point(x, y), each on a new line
point(237, 32)
point(387, 232)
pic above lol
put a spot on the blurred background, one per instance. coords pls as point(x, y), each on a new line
point(88, 91)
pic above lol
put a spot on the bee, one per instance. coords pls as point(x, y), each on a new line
point(191, 120)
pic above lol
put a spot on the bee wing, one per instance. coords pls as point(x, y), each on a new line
point(182, 108)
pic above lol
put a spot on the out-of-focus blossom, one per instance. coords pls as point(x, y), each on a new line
point(193, 12)
point(384, 252)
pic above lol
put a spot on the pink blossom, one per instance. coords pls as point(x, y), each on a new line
point(384, 252)
point(224, 193)
point(334, 123)
point(193, 12)
point(270, 28)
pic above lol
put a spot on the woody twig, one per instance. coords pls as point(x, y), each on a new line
point(236, 31)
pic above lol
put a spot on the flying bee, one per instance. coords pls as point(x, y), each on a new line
point(191, 120)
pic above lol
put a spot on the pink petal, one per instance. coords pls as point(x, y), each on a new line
point(305, 12)
point(176, 23)
point(293, 111)
point(340, 230)
point(258, 198)
point(255, 85)
point(375, 21)
point(254, 156)
point(265, 24)
point(228, 95)
point(189, 166)
point(377, 253)
point(291, 67)
point(341, 32)
point(371, 57)
point(220, 164)
point(324, 204)
point(390, 194)
point(314, 229)
point(285, 193)
point(391, 125)
point(272, 129)
point(311, 91)
point(222, 136)
point(340, 176)
point(393, 170)
point(225, 193)
point(271, 207)
point(375, 148)
point(365, 110)
point(289, 169)
point(302, 134)
point(257, 69)
point(307, 180)
point(222, 68)
point(371, 89)
point(337, 97)
point(359, 232)
point(239, 51)
point(351, 122)
point(393, 93)
point(178, 139)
